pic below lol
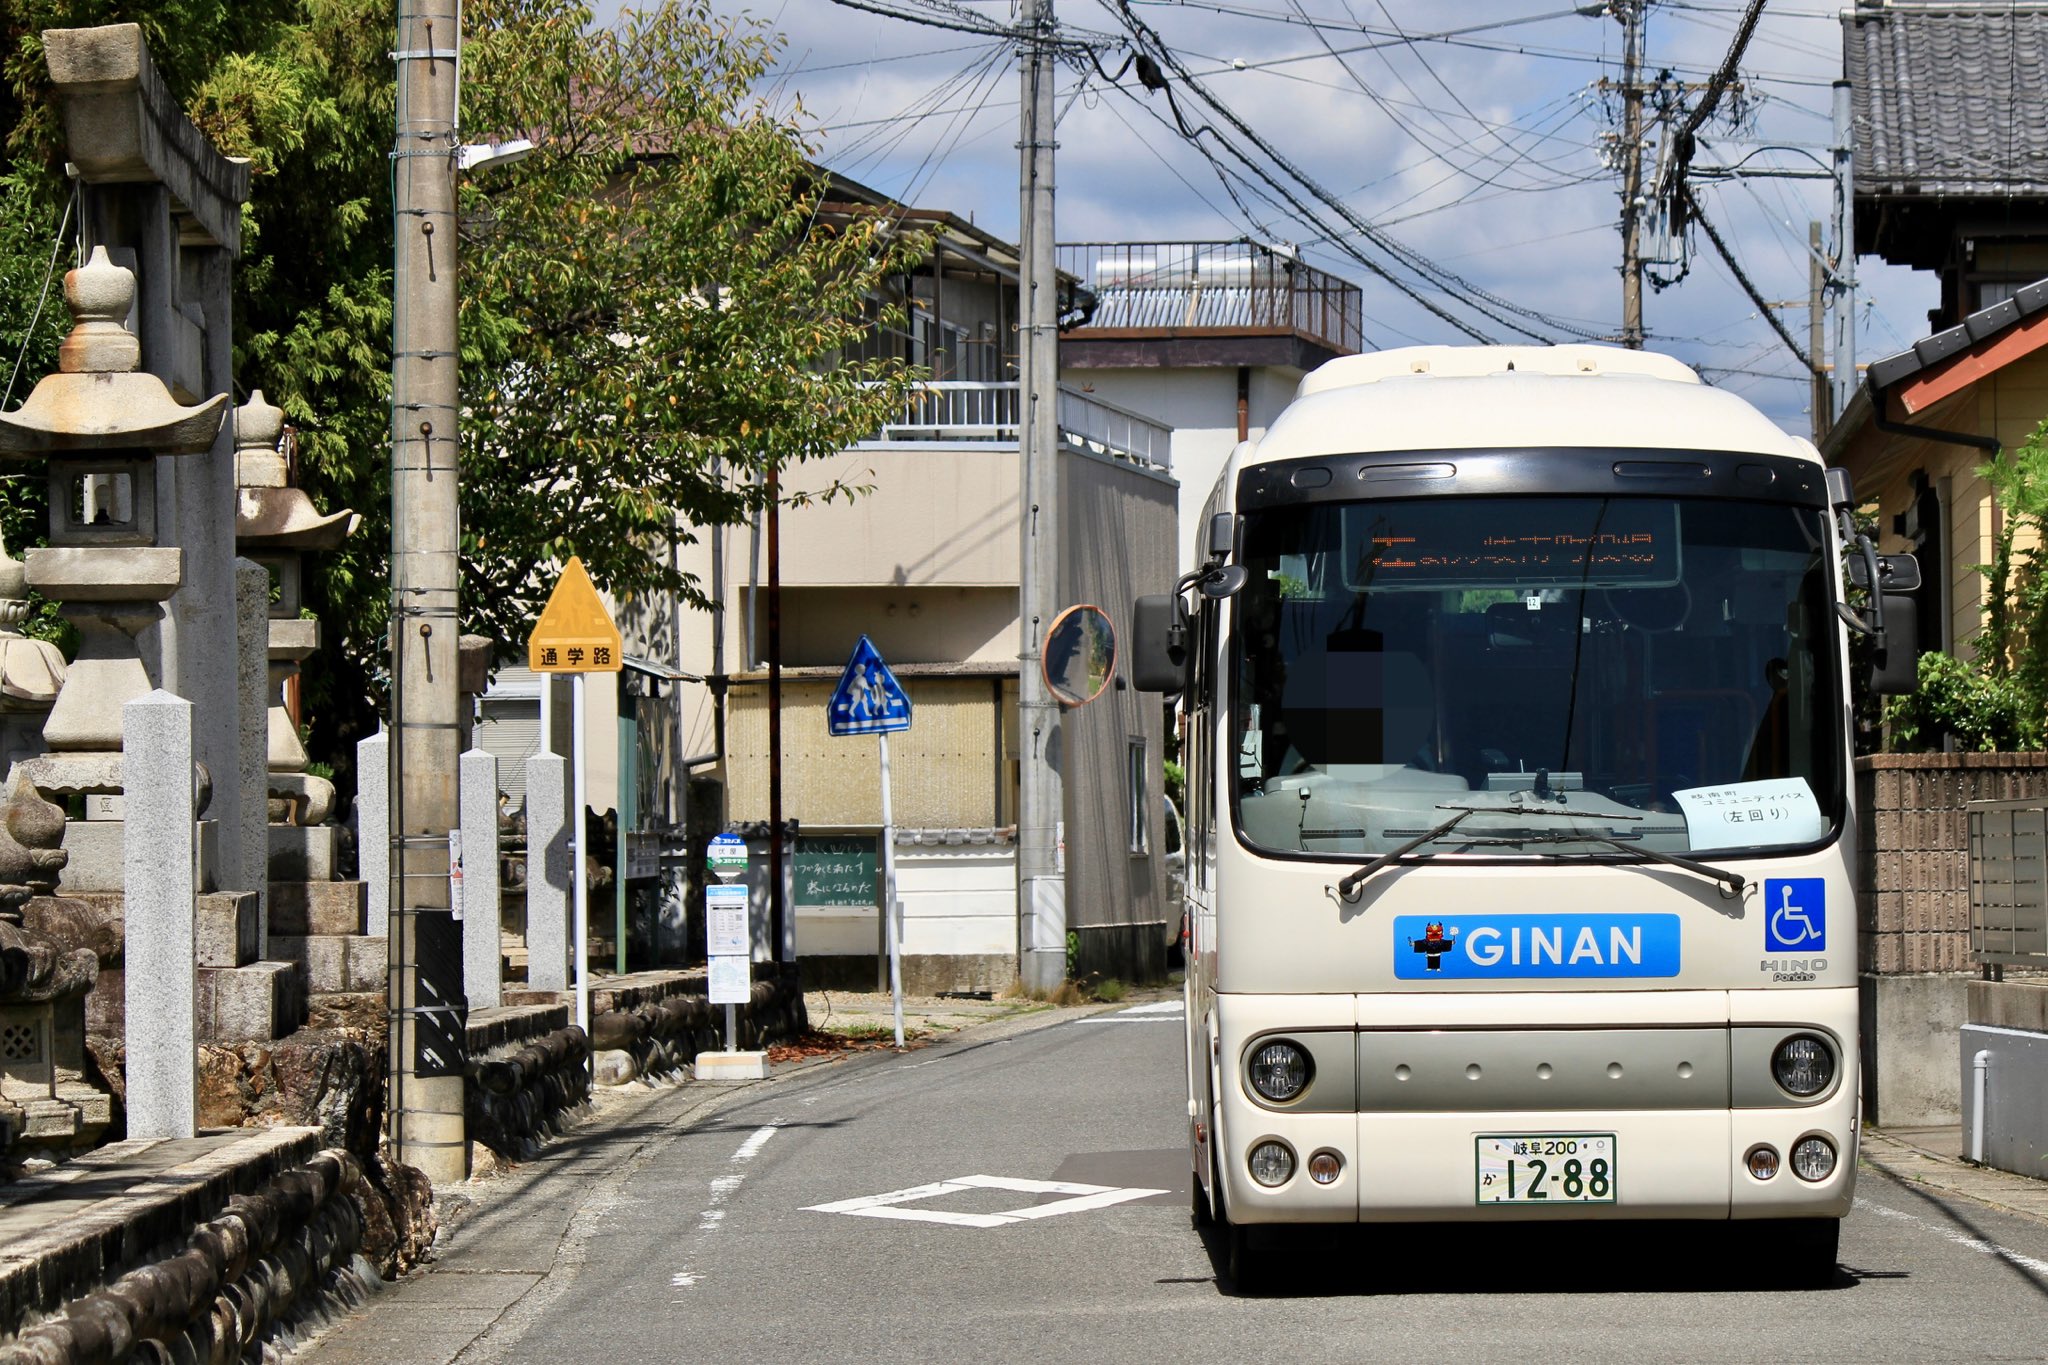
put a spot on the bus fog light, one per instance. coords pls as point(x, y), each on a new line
point(1272, 1163)
point(1763, 1162)
point(1813, 1159)
point(1280, 1071)
point(1803, 1065)
point(1324, 1167)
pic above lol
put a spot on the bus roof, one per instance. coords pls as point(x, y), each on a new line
point(1515, 397)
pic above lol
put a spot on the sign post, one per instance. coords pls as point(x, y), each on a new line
point(728, 937)
point(575, 635)
point(869, 701)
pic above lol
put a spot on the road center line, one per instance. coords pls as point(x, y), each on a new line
point(723, 1188)
point(1961, 1239)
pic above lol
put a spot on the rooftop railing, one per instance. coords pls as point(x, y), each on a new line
point(1214, 286)
point(971, 411)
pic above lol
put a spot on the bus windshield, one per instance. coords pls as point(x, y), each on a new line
point(1659, 672)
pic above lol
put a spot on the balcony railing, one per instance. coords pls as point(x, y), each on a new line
point(1216, 286)
point(971, 411)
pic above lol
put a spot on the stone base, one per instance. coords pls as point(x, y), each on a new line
point(253, 1004)
point(732, 1066)
point(1910, 1026)
point(336, 962)
point(98, 861)
point(300, 908)
point(76, 1116)
point(225, 929)
point(300, 853)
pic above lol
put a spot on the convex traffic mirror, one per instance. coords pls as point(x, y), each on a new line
point(1079, 655)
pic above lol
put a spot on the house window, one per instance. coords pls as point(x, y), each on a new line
point(1136, 834)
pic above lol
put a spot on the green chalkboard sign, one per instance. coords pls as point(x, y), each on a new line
point(835, 870)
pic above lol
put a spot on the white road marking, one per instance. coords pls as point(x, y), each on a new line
point(1159, 1012)
point(723, 1188)
point(1961, 1239)
point(1081, 1198)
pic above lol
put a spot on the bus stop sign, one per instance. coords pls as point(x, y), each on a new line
point(868, 700)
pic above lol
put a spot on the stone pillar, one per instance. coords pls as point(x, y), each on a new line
point(373, 828)
point(252, 644)
point(162, 997)
point(482, 947)
point(550, 889)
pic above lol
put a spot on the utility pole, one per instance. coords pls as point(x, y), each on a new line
point(1630, 13)
point(1817, 334)
point(1041, 885)
point(427, 1011)
point(1846, 379)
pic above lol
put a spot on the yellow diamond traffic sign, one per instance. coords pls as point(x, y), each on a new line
point(575, 633)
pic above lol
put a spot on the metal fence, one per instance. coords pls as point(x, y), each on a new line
point(2009, 881)
point(1174, 286)
point(967, 410)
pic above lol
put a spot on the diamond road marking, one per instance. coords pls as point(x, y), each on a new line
point(1080, 1199)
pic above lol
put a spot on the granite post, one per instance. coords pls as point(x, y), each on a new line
point(252, 647)
point(482, 948)
point(373, 828)
point(549, 872)
point(159, 852)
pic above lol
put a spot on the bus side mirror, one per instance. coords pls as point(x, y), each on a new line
point(1897, 670)
point(1898, 573)
point(1159, 643)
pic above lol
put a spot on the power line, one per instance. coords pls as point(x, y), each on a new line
point(1735, 268)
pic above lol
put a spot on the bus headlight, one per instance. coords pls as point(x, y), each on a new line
point(1272, 1163)
point(1803, 1065)
point(1280, 1071)
point(1813, 1159)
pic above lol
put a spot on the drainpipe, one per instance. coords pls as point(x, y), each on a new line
point(1980, 1090)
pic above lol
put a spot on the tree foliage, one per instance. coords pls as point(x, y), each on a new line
point(1999, 700)
point(651, 306)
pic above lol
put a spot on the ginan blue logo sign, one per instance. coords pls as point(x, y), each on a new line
point(1510, 947)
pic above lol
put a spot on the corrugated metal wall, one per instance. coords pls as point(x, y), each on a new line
point(943, 772)
point(1118, 526)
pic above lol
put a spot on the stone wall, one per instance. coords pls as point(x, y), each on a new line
point(1913, 878)
point(1913, 920)
point(655, 1023)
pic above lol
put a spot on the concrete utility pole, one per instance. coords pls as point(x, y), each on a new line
point(1630, 13)
point(1041, 885)
point(427, 1011)
point(1817, 333)
point(1846, 378)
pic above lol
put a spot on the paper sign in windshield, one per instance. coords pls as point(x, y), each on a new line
point(1778, 810)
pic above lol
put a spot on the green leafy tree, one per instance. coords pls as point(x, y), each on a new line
point(653, 305)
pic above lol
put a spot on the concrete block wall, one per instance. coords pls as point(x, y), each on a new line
point(1913, 884)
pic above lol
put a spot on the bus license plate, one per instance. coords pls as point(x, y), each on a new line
point(1546, 1168)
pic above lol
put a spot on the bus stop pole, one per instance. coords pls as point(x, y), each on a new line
point(892, 912)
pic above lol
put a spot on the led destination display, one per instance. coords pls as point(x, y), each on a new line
point(1595, 543)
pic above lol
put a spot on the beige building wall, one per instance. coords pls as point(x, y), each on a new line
point(947, 771)
point(2007, 404)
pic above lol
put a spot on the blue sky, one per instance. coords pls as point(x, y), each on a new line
point(1482, 150)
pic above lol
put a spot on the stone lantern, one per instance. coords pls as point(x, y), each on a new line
point(275, 525)
point(31, 671)
point(100, 422)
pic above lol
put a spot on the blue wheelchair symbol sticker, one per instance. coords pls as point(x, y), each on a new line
point(1795, 915)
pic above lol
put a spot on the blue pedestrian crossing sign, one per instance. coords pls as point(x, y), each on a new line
point(868, 700)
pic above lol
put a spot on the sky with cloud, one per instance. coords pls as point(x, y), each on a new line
point(1474, 133)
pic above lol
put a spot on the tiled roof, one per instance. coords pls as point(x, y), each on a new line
point(1978, 326)
point(1950, 99)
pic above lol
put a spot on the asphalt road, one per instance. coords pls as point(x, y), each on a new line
point(705, 1239)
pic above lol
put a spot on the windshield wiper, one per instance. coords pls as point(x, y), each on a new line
point(1734, 881)
point(1348, 887)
